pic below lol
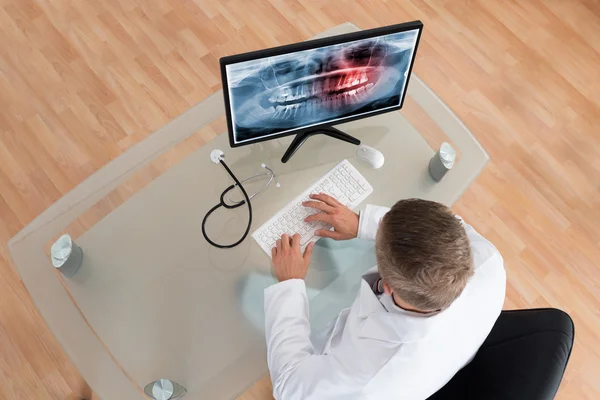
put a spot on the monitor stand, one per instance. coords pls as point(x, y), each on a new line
point(323, 130)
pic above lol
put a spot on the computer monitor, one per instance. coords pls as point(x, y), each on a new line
point(305, 88)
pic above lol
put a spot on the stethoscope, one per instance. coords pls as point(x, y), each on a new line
point(218, 157)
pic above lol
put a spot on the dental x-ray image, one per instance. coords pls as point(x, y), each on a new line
point(273, 95)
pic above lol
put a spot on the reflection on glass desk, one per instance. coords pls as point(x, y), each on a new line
point(153, 300)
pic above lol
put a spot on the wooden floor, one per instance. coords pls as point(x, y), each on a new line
point(83, 80)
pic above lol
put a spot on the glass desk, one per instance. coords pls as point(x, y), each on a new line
point(153, 300)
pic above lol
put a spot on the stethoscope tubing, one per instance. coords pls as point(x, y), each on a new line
point(223, 203)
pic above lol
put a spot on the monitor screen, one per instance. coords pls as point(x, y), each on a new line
point(280, 94)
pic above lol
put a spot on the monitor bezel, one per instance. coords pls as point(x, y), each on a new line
point(309, 45)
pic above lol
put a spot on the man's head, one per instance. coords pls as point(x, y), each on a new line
point(423, 254)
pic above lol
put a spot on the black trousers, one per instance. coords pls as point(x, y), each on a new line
point(524, 357)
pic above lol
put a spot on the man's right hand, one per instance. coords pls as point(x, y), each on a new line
point(343, 219)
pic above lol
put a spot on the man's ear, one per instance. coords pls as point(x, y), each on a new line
point(387, 289)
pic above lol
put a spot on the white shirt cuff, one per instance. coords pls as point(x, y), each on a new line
point(369, 221)
point(290, 284)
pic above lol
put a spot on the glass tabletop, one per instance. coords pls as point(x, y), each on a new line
point(153, 299)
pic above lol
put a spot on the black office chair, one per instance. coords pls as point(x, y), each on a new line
point(524, 357)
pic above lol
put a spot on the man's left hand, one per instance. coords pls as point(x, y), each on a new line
point(288, 262)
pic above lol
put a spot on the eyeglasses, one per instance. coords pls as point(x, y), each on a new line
point(270, 176)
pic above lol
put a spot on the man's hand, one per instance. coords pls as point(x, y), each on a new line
point(287, 260)
point(343, 219)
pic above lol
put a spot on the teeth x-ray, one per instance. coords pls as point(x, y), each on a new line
point(272, 95)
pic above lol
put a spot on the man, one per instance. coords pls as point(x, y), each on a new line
point(416, 320)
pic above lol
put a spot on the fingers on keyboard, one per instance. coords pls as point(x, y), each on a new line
point(342, 185)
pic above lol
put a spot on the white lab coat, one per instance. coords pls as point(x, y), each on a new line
point(375, 350)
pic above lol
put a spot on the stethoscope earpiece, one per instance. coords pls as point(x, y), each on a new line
point(274, 177)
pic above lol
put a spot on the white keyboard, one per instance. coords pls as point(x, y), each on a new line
point(343, 182)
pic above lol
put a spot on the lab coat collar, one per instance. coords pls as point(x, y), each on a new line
point(387, 326)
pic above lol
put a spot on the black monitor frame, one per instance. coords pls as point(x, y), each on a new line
point(309, 45)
